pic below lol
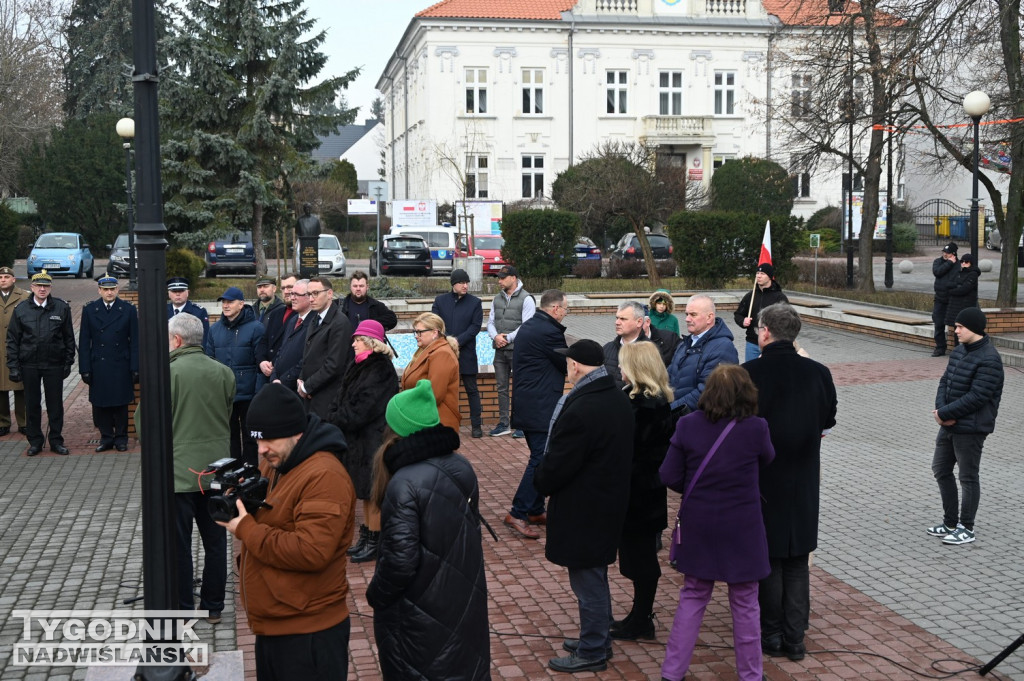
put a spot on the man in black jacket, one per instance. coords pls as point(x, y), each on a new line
point(41, 350)
point(944, 269)
point(632, 324)
point(586, 471)
point(966, 406)
point(463, 318)
point(359, 305)
point(328, 351)
point(766, 292)
point(540, 381)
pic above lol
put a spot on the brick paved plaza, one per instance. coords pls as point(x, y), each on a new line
point(887, 600)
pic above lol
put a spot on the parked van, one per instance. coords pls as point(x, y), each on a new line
point(441, 241)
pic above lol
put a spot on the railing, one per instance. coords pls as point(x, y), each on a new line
point(725, 7)
point(677, 126)
point(616, 6)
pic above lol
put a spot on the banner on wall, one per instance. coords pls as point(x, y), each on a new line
point(858, 215)
point(485, 216)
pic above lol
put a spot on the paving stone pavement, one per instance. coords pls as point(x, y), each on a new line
point(70, 536)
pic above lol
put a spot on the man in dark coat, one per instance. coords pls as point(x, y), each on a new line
point(708, 345)
point(586, 472)
point(766, 292)
point(963, 291)
point(540, 382)
point(178, 302)
point(237, 341)
point(275, 321)
point(108, 361)
point(463, 317)
point(632, 324)
point(797, 397)
point(328, 352)
point(266, 299)
point(288, 361)
point(944, 269)
point(966, 406)
point(359, 305)
point(40, 353)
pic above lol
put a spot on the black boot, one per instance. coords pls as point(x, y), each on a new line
point(638, 627)
point(361, 542)
point(369, 551)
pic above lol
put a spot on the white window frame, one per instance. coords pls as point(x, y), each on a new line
point(719, 160)
point(476, 90)
point(801, 178)
point(616, 92)
point(533, 92)
point(725, 93)
point(800, 95)
point(533, 176)
point(478, 170)
point(670, 93)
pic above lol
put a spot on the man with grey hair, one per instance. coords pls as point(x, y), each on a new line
point(631, 325)
point(797, 397)
point(709, 344)
point(288, 361)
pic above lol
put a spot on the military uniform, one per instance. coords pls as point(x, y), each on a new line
point(7, 304)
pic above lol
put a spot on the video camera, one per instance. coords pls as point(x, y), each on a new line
point(235, 480)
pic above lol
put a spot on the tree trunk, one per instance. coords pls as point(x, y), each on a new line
point(645, 248)
point(257, 239)
point(1009, 38)
point(880, 104)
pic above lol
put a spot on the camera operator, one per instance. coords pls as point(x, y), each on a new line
point(293, 559)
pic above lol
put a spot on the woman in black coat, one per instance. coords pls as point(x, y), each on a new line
point(649, 395)
point(963, 292)
point(358, 410)
point(429, 592)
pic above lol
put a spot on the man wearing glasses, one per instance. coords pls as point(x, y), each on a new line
point(275, 321)
point(328, 350)
point(708, 345)
point(288, 361)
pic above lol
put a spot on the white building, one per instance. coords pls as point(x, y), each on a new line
point(359, 144)
point(496, 96)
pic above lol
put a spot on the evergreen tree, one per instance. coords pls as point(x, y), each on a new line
point(242, 113)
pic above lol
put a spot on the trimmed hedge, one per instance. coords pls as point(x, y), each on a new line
point(541, 243)
point(182, 262)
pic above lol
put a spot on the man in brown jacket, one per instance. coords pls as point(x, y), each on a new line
point(10, 296)
point(293, 561)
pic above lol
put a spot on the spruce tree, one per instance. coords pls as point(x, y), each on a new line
point(241, 113)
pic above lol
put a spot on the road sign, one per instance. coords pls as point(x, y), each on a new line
point(362, 207)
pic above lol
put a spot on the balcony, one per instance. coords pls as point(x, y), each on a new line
point(677, 129)
point(616, 6)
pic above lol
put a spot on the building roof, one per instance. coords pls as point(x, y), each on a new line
point(499, 9)
point(334, 145)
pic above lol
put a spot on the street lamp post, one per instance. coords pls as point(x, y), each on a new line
point(888, 213)
point(976, 105)
point(126, 131)
point(849, 209)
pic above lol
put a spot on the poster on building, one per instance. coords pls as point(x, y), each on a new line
point(483, 216)
point(858, 215)
point(415, 213)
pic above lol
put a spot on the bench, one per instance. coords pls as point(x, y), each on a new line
point(895, 318)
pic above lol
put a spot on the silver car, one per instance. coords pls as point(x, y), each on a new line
point(331, 256)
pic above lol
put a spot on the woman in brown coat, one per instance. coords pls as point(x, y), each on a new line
point(437, 360)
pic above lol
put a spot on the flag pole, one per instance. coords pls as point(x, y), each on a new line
point(765, 256)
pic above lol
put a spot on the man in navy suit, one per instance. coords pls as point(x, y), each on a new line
point(108, 361)
point(288, 361)
point(177, 291)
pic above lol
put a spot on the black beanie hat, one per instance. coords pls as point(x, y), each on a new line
point(459, 277)
point(973, 319)
point(275, 412)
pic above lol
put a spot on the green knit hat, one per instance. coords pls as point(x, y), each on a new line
point(412, 410)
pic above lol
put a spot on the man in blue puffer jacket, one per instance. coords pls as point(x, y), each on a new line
point(237, 341)
point(966, 405)
point(708, 345)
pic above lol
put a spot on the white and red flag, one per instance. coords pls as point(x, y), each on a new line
point(766, 246)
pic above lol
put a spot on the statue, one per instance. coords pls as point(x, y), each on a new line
point(309, 225)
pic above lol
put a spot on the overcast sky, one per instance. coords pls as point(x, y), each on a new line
point(362, 33)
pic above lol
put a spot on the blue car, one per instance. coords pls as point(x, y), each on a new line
point(61, 253)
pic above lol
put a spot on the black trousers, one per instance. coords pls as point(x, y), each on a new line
point(243, 446)
point(320, 656)
point(112, 422)
point(785, 600)
point(473, 397)
point(50, 380)
point(939, 320)
point(192, 506)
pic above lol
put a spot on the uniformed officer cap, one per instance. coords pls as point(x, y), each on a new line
point(42, 279)
point(177, 284)
point(107, 282)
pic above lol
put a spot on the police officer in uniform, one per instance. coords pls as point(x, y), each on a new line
point(108, 360)
point(177, 292)
point(40, 354)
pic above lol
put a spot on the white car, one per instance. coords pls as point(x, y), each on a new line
point(331, 256)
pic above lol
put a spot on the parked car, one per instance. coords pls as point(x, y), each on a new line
point(231, 254)
point(628, 249)
point(402, 254)
point(61, 253)
point(330, 256)
point(586, 249)
point(117, 265)
point(488, 247)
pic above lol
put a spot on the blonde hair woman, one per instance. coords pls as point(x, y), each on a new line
point(650, 396)
point(437, 360)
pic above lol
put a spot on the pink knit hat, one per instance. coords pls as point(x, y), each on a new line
point(371, 329)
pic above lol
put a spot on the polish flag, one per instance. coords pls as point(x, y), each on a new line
point(766, 245)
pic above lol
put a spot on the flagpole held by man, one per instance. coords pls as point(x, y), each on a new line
point(766, 292)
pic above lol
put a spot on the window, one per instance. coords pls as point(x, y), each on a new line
point(725, 93)
point(616, 90)
point(533, 91)
point(800, 178)
point(670, 93)
point(533, 177)
point(801, 96)
point(476, 91)
point(476, 177)
point(719, 160)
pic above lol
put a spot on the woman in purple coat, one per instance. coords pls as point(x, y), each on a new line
point(720, 521)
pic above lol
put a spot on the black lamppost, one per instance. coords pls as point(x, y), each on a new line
point(849, 164)
point(126, 131)
point(976, 105)
point(888, 213)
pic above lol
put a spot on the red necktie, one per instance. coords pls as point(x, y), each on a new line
point(298, 323)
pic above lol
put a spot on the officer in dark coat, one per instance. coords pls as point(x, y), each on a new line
point(463, 317)
point(177, 292)
point(797, 397)
point(586, 472)
point(108, 361)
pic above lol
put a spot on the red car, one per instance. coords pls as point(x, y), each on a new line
point(487, 246)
